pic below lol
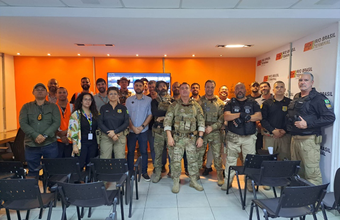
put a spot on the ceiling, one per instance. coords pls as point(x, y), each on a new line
point(152, 28)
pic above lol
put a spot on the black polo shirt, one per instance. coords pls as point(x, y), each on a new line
point(116, 119)
point(274, 114)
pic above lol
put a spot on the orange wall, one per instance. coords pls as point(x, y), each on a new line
point(69, 70)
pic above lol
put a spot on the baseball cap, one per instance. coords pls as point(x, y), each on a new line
point(39, 85)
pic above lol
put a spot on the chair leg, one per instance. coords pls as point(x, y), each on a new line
point(18, 214)
point(323, 211)
point(314, 216)
point(136, 181)
point(274, 191)
point(126, 190)
point(40, 213)
point(49, 211)
point(78, 213)
point(121, 205)
point(239, 189)
point(265, 215)
point(89, 213)
point(255, 197)
point(82, 212)
point(251, 211)
point(8, 215)
point(228, 181)
point(245, 193)
point(27, 214)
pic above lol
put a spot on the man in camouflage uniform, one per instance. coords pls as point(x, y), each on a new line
point(186, 117)
point(159, 106)
point(124, 93)
point(213, 114)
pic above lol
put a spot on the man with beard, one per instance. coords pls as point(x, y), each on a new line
point(53, 86)
point(152, 87)
point(159, 106)
point(175, 91)
point(101, 97)
point(213, 114)
point(195, 91)
point(241, 113)
point(184, 126)
point(124, 93)
point(40, 121)
point(146, 87)
point(85, 85)
point(223, 94)
point(65, 109)
point(255, 92)
point(139, 107)
point(307, 114)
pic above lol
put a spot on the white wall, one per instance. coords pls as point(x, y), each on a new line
point(316, 53)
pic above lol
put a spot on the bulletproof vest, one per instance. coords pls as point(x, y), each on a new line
point(300, 106)
point(185, 117)
point(246, 128)
point(210, 110)
point(124, 96)
point(163, 104)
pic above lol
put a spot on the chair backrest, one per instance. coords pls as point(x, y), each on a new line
point(18, 147)
point(19, 189)
point(15, 167)
point(300, 196)
point(337, 189)
point(279, 168)
point(75, 194)
point(254, 161)
point(61, 166)
point(109, 166)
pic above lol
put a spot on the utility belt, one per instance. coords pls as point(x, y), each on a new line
point(186, 135)
point(157, 124)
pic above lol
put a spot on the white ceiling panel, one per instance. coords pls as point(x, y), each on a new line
point(93, 3)
point(38, 3)
point(317, 4)
point(265, 4)
point(2, 3)
point(151, 3)
point(209, 4)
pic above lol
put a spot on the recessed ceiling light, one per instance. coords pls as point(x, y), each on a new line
point(221, 55)
point(233, 45)
point(18, 53)
point(137, 55)
point(78, 54)
point(165, 55)
point(48, 54)
point(108, 55)
point(193, 55)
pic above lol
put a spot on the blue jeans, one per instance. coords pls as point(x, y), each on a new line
point(34, 154)
point(151, 144)
point(142, 139)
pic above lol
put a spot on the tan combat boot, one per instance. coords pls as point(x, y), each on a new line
point(157, 176)
point(175, 187)
point(194, 184)
point(220, 179)
point(227, 185)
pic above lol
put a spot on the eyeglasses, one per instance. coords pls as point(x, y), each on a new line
point(87, 100)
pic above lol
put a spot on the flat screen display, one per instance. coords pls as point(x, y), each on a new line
point(112, 78)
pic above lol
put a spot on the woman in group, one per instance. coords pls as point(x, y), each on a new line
point(82, 128)
point(113, 122)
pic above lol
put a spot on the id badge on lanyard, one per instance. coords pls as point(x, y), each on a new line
point(90, 135)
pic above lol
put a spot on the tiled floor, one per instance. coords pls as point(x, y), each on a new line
point(157, 202)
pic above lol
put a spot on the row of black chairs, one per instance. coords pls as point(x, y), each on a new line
point(63, 178)
point(298, 196)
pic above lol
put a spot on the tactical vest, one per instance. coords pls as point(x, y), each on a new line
point(123, 96)
point(185, 118)
point(246, 128)
point(210, 110)
point(163, 104)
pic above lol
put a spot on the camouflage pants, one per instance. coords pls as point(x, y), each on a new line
point(176, 154)
point(235, 142)
point(214, 141)
point(160, 143)
point(305, 149)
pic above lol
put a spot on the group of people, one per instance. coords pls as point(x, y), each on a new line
point(198, 129)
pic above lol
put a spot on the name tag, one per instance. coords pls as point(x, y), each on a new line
point(90, 136)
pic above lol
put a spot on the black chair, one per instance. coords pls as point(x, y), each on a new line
point(15, 168)
point(113, 214)
point(332, 199)
point(24, 194)
point(90, 195)
point(252, 164)
point(294, 202)
point(137, 172)
point(111, 170)
point(18, 147)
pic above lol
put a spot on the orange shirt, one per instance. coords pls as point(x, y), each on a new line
point(64, 118)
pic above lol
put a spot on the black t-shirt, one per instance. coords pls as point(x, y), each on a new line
point(85, 130)
point(116, 119)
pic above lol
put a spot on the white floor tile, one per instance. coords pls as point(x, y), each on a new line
point(222, 213)
point(161, 201)
point(192, 200)
point(195, 214)
point(160, 213)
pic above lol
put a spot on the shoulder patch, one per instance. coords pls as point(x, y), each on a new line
point(328, 104)
point(127, 111)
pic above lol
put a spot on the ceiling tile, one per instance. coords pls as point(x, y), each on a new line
point(39, 3)
point(93, 3)
point(151, 3)
point(209, 4)
point(266, 4)
point(317, 4)
point(2, 3)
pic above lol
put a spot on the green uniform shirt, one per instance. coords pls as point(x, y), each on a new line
point(32, 127)
point(213, 112)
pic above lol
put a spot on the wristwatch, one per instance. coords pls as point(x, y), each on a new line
point(200, 137)
point(143, 126)
point(45, 136)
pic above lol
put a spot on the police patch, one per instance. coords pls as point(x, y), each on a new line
point(119, 110)
point(328, 104)
point(284, 108)
point(236, 109)
point(247, 109)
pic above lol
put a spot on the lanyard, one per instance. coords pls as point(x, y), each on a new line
point(88, 119)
